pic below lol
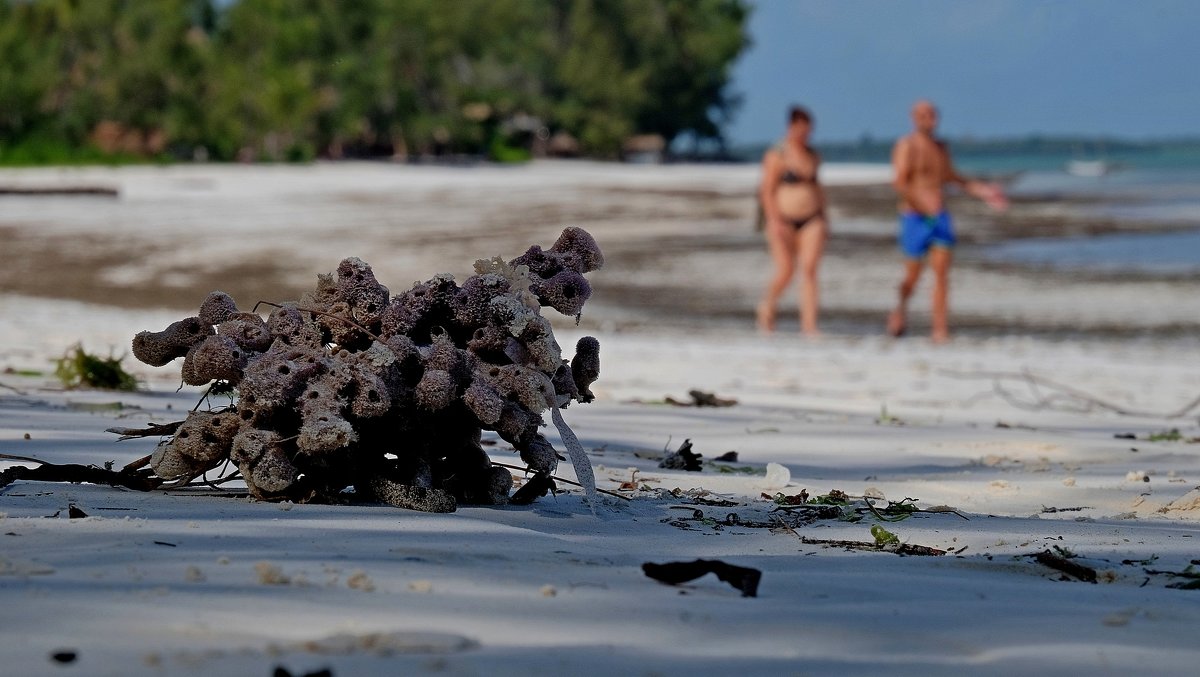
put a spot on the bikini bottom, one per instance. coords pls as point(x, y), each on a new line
point(799, 224)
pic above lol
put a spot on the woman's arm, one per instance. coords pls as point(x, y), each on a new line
point(821, 201)
point(772, 172)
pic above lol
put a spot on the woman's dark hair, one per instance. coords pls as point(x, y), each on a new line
point(799, 113)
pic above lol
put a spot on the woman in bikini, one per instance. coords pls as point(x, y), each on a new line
point(796, 228)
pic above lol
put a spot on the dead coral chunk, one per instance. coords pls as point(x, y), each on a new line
point(417, 311)
point(159, 348)
point(247, 330)
point(412, 498)
point(357, 286)
point(579, 249)
point(585, 366)
point(371, 395)
point(518, 425)
point(347, 387)
point(532, 388)
point(274, 379)
point(217, 307)
point(472, 304)
point(540, 455)
point(484, 401)
point(217, 358)
point(201, 443)
point(436, 391)
point(294, 327)
point(323, 428)
point(565, 292)
point(263, 462)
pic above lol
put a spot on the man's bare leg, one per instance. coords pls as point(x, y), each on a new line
point(811, 243)
point(783, 253)
point(939, 263)
point(898, 320)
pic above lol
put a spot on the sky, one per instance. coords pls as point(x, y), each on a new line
point(995, 68)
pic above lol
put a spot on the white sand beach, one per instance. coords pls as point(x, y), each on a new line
point(1044, 428)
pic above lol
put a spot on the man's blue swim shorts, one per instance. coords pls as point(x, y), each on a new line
point(919, 232)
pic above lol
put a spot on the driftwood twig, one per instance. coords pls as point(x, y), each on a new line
point(151, 430)
point(1061, 397)
point(1049, 559)
point(77, 474)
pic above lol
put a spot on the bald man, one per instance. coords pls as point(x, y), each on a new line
point(922, 169)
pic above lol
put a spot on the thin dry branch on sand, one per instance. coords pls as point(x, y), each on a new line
point(898, 548)
point(151, 430)
point(1061, 397)
point(75, 474)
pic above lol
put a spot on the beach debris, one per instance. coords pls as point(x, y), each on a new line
point(896, 546)
point(78, 368)
point(839, 505)
point(75, 474)
point(700, 398)
point(743, 579)
point(351, 386)
point(883, 537)
point(727, 457)
point(534, 488)
point(1189, 574)
point(1062, 562)
point(777, 476)
point(1049, 510)
point(281, 671)
point(682, 458)
point(64, 656)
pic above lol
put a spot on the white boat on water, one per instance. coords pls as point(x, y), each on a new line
point(1089, 167)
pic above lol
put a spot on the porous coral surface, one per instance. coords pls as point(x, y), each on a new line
point(353, 387)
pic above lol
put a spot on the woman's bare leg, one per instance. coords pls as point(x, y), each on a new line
point(782, 244)
point(939, 262)
point(898, 319)
point(811, 246)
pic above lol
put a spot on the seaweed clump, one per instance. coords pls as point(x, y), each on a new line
point(352, 386)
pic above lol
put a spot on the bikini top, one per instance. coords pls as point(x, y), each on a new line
point(790, 176)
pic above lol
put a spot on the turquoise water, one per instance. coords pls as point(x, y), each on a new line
point(1159, 189)
point(1149, 252)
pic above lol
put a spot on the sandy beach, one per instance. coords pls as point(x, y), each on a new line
point(1056, 428)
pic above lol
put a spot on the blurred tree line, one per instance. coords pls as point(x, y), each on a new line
point(296, 79)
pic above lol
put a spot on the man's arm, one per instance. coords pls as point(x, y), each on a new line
point(990, 193)
point(902, 169)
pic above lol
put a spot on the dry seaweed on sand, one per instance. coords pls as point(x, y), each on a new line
point(78, 368)
point(352, 386)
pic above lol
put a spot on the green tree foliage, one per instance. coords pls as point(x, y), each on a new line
point(292, 79)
